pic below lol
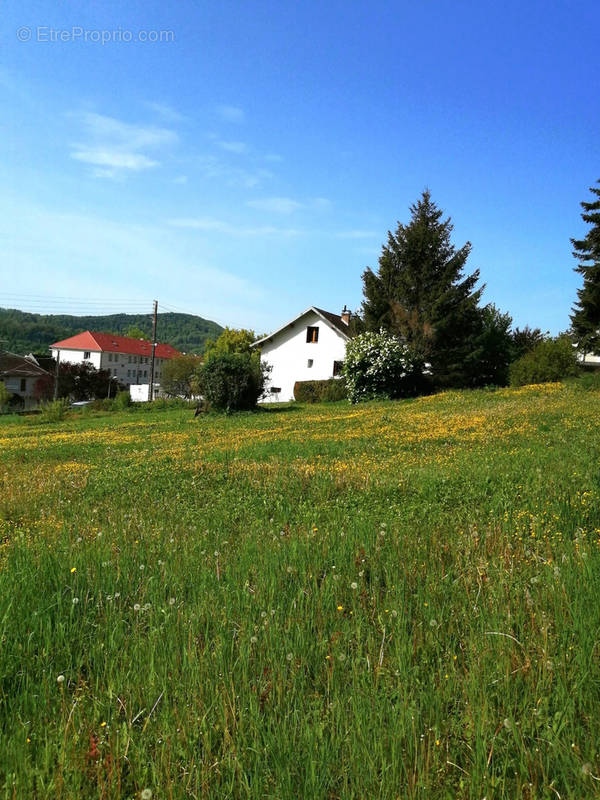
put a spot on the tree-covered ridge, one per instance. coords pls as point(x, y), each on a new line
point(22, 332)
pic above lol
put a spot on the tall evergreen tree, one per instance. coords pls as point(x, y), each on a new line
point(420, 292)
point(586, 312)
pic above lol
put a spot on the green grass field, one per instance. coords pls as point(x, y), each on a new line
point(381, 601)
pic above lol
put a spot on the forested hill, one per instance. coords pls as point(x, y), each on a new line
point(23, 333)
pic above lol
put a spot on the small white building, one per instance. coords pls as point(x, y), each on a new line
point(310, 347)
point(126, 359)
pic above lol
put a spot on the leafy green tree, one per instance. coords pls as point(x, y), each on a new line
point(84, 382)
point(179, 376)
point(232, 381)
point(586, 312)
point(420, 293)
point(134, 332)
point(550, 360)
point(231, 340)
point(524, 340)
point(494, 348)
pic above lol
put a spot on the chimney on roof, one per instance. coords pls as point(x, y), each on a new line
point(345, 315)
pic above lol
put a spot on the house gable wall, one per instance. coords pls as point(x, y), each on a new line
point(289, 352)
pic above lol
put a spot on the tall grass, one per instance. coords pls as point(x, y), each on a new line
point(396, 600)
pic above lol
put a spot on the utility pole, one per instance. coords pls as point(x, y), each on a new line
point(151, 387)
point(56, 374)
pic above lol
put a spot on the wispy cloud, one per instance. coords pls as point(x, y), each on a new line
point(215, 168)
point(234, 147)
point(275, 205)
point(165, 112)
point(286, 205)
point(115, 147)
point(231, 113)
point(211, 225)
point(180, 179)
point(358, 234)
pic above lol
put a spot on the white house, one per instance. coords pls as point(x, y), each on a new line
point(127, 359)
point(312, 346)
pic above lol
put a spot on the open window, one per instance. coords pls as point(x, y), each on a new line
point(312, 334)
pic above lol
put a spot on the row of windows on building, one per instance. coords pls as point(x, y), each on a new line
point(134, 373)
point(123, 356)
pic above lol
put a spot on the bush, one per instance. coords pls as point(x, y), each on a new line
point(379, 365)
point(4, 396)
point(122, 401)
point(54, 411)
point(326, 391)
point(232, 381)
point(550, 360)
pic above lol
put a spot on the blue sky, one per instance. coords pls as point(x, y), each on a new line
point(251, 163)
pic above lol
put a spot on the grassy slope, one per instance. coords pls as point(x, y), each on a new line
point(394, 600)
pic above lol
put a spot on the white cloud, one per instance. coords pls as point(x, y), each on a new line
point(113, 159)
point(231, 113)
point(211, 225)
point(214, 168)
point(286, 205)
point(234, 147)
point(165, 112)
point(358, 234)
point(276, 205)
point(117, 147)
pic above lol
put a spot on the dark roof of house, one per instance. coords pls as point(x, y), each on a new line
point(334, 320)
point(12, 365)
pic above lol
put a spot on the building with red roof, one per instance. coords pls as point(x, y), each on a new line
point(127, 359)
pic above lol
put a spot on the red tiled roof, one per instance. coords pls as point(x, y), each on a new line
point(106, 343)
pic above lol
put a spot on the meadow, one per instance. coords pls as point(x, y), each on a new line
point(392, 600)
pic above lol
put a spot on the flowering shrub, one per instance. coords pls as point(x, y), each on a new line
point(378, 365)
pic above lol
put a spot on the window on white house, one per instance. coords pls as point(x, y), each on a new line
point(309, 363)
point(337, 368)
point(86, 355)
point(23, 384)
point(312, 334)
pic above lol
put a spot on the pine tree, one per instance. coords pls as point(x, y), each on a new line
point(586, 312)
point(420, 293)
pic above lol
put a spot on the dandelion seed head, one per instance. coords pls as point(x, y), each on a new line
point(253, 639)
point(146, 794)
point(354, 585)
point(75, 600)
point(60, 679)
point(171, 601)
point(136, 607)
point(289, 656)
